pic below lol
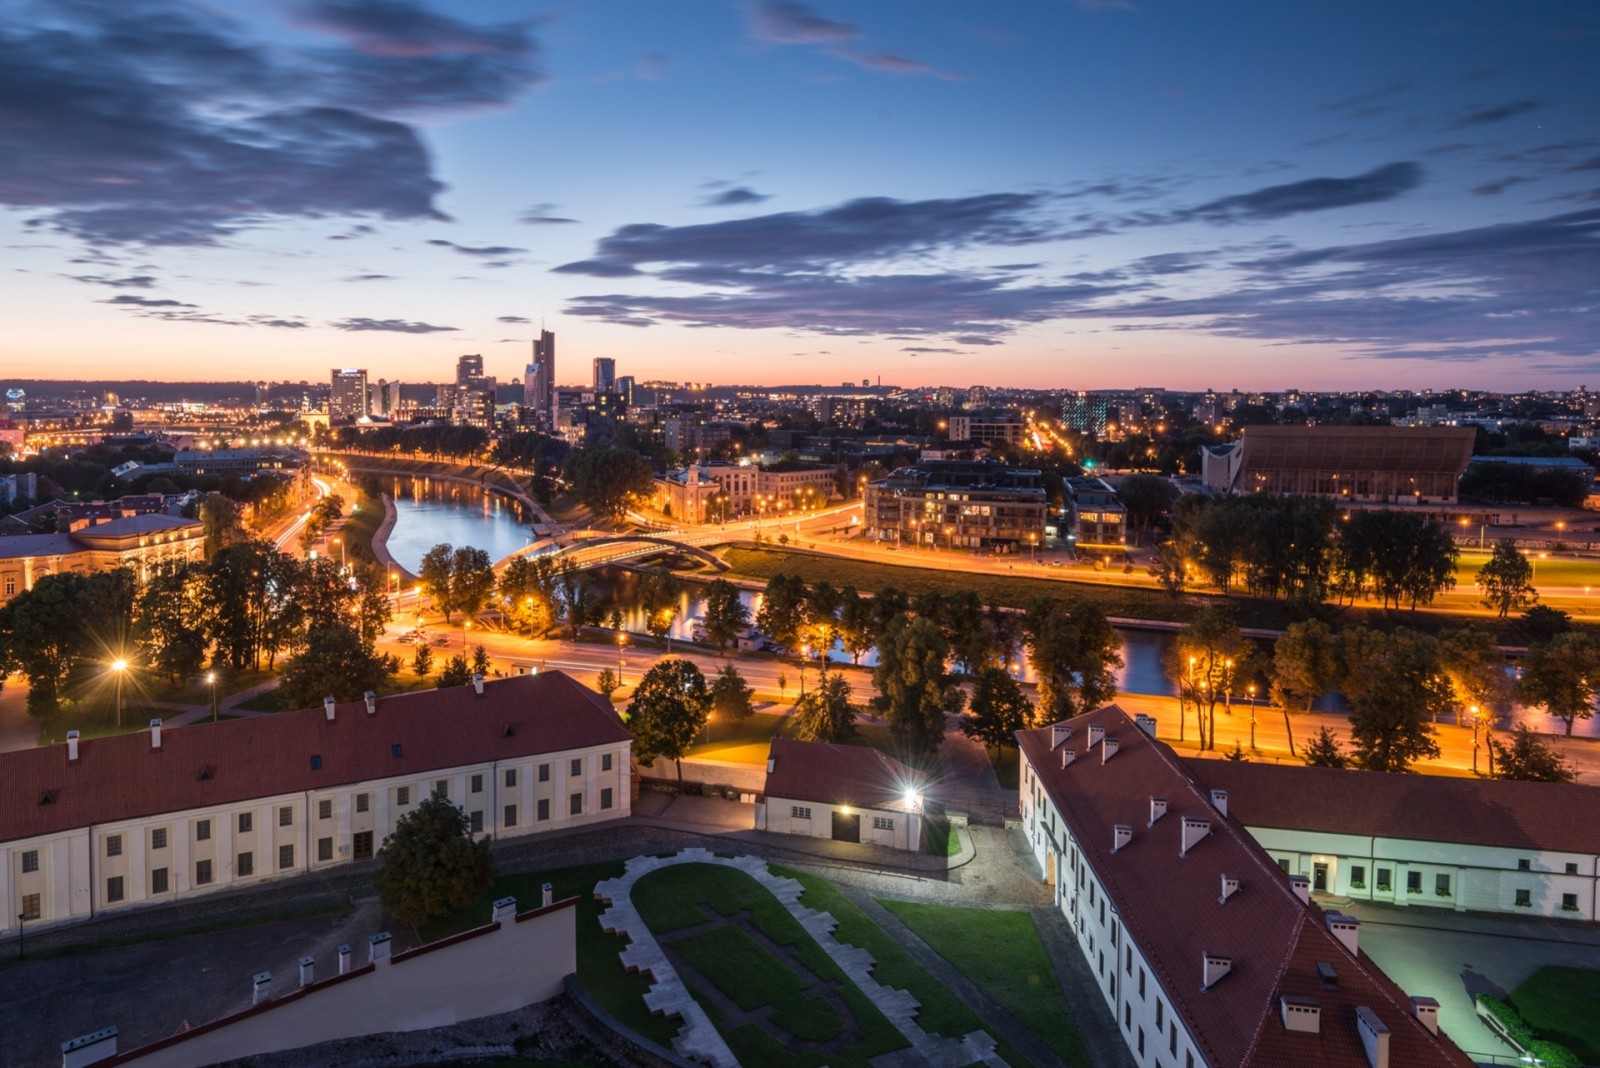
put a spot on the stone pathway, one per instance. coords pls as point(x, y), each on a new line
point(699, 1039)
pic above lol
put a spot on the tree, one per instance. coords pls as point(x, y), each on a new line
point(607, 478)
point(480, 659)
point(579, 602)
point(856, 629)
point(1541, 623)
point(1305, 665)
point(1507, 579)
point(731, 696)
point(782, 611)
point(1074, 652)
point(471, 579)
point(1206, 661)
point(45, 633)
point(659, 594)
point(1562, 676)
point(1390, 722)
point(1147, 499)
point(826, 713)
point(607, 682)
point(783, 684)
point(527, 587)
point(1530, 758)
point(457, 672)
point(171, 620)
point(430, 866)
point(223, 522)
point(669, 707)
point(911, 681)
point(336, 663)
point(999, 710)
point(422, 660)
point(1323, 751)
point(1236, 754)
point(1170, 567)
point(434, 573)
point(252, 589)
point(1476, 668)
point(726, 615)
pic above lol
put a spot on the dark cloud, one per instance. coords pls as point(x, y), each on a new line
point(929, 348)
point(1591, 164)
point(128, 300)
point(155, 122)
point(781, 22)
point(543, 215)
point(359, 230)
point(1499, 113)
point(392, 326)
point(511, 319)
point(1369, 104)
point(368, 278)
point(279, 324)
point(1313, 194)
point(483, 250)
point(1495, 188)
point(976, 339)
point(736, 196)
point(138, 281)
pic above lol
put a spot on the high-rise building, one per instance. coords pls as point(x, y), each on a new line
point(605, 374)
point(469, 370)
point(538, 382)
point(625, 389)
point(348, 400)
point(1086, 413)
point(388, 394)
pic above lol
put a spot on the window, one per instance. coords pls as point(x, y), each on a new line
point(575, 805)
point(202, 872)
point(158, 838)
point(1283, 862)
point(1569, 902)
point(1524, 864)
point(396, 751)
point(799, 812)
point(1358, 876)
point(324, 810)
point(1161, 1014)
point(113, 845)
point(544, 772)
point(246, 821)
point(286, 816)
point(544, 809)
point(324, 848)
point(402, 796)
point(476, 820)
point(1441, 885)
point(1127, 1016)
point(605, 797)
point(882, 823)
point(1141, 1042)
point(1188, 1058)
point(1413, 882)
point(1127, 962)
point(245, 865)
point(1141, 982)
point(30, 860)
point(316, 762)
point(511, 778)
point(605, 761)
point(509, 816)
point(363, 802)
point(1172, 1039)
point(1525, 899)
point(361, 845)
point(477, 784)
point(30, 906)
point(1572, 868)
point(285, 857)
point(158, 881)
point(202, 831)
point(441, 789)
point(1385, 878)
point(577, 767)
point(11, 585)
point(113, 889)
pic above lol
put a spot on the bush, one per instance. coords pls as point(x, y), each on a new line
point(1553, 1054)
point(1508, 1018)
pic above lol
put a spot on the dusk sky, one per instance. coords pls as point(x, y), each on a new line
point(1042, 193)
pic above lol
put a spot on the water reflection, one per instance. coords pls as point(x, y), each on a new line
point(428, 511)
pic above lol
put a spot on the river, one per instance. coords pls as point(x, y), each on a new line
point(428, 512)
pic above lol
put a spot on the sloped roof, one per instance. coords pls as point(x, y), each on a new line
point(123, 777)
point(1169, 905)
point(1560, 817)
point(830, 774)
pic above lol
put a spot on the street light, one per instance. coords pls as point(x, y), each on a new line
point(1251, 689)
point(622, 639)
point(466, 625)
point(211, 680)
point(340, 543)
point(118, 667)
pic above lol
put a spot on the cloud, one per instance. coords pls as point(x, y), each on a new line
point(128, 300)
point(393, 326)
point(280, 324)
point(367, 278)
point(929, 348)
point(1369, 104)
point(512, 319)
point(1313, 194)
point(162, 123)
point(1495, 188)
point(736, 196)
point(138, 281)
point(543, 215)
point(781, 22)
point(1499, 113)
point(890, 63)
point(976, 339)
point(484, 250)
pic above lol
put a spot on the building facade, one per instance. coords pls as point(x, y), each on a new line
point(948, 503)
point(140, 543)
point(348, 399)
point(1399, 465)
point(1099, 519)
point(845, 793)
point(717, 492)
point(1008, 429)
point(113, 823)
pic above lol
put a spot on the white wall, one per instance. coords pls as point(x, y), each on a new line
point(905, 831)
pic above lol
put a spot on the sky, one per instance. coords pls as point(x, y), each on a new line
point(1312, 194)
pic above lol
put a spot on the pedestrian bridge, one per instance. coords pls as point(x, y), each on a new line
point(620, 548)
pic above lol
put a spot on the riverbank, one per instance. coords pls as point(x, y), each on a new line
point(380, 545)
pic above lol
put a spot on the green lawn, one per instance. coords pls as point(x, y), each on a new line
point(1560, 1004)
point(942, 1012)
point(1001, 952)
point(752, 977)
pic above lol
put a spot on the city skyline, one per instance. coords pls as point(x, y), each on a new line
point(1097, 194)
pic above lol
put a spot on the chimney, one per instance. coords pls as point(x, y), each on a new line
point(1230, 886)
point(378, 947)
point(261, 988)
point(327, 708)
point(1374, 1037)
point(1347, 929)
point(1068, 756)
point(477, 685)
point(1426, 1010)
point(1146, 723)
point(1096, 734)
point(1213, 966)
point(307, 971)
point(344, 959)
point(1219, 801)
point(1158, 808)
point(547, 895)
point(1301, 887)
point(155, 733)
point(372, 702)
point(1108, 749)
point(1059, 733)
point(772, 762)
point(91, 1048)
point(1194, 829)
point(503, 910)
point(1300, 1014)
point(72, 752)
point(1121, 835)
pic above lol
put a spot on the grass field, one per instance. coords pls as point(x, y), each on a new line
point(1560, 1004)
point(1001, 952)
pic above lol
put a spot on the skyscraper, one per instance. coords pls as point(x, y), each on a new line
point(538, 381)
point(469, 371)
point(605, 374)
point(348, 400)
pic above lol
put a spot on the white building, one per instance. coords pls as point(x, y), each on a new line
point(1204, 951)
point(114, 823)
point(848, 793)
point(1486, 845)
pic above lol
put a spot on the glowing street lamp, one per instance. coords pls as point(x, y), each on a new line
point(119, 667)
point(622, 640)
point(211, 680)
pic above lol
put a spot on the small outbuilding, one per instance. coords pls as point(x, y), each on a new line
point(849, 793)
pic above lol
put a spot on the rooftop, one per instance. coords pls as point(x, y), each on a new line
point(831, 774)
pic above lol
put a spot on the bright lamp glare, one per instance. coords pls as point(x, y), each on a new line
point(119, 665)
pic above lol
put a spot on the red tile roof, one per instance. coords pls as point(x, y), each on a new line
point(1560, 817)
point(123, 777)
point(1169, 905)
point(838, 775)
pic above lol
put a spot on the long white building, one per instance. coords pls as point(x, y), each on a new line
point(97, 826)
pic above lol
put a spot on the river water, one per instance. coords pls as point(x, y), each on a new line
point(429, 511)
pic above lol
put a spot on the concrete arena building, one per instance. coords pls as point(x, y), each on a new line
point(1398, 465)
